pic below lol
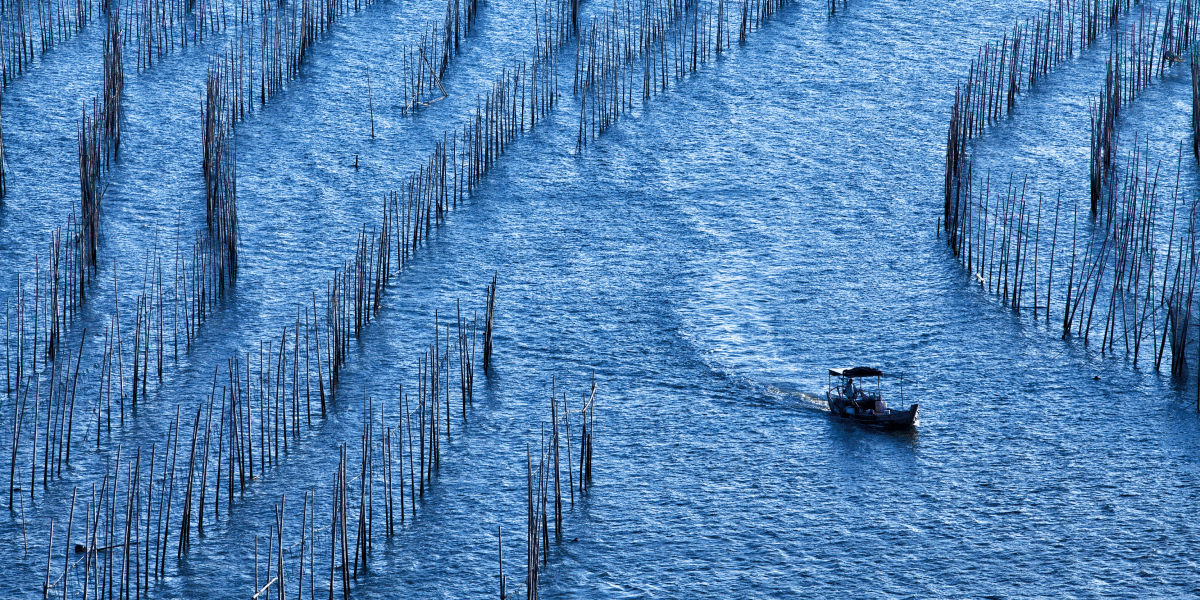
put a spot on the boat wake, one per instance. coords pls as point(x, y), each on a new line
point(797, 399)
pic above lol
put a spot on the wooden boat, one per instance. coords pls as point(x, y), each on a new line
point(848, 401)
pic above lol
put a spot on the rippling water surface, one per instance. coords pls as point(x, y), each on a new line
point(707, 258)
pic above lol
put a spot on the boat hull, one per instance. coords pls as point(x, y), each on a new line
point(893, 419)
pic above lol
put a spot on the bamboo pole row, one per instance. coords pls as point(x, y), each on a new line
point(229, 428)
point(35, 323)
point(22, 39)
point(1119, 274)
point(1138, 54)
point(262, 59)
point(348, 538)
point(1129, 276)
point(1002, 70)
point(555, 23)
point(50, 415)
point(1116, 270)
point(38, 317)
point(754, 14)
point(160, 26)
point(91, 163)
point(29, 28)
point(283, 31)
point(220, 179)
point(198, 284)
point(286, 382)
point(453, 169)
point(74, 260)
point(169, 308)
point(117, 547)
point(35, 317)
point(517, 98)
point(672, 38)
point(99, 141)
point(286, 33)
point(74, 264)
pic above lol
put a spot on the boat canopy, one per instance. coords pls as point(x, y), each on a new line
point(856, 372)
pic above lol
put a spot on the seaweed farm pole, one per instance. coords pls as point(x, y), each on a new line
point(1071, 277)
point(1195, 69)
point(1037, 234)
point(370, 103)
point(37, 398)
point(317, 342)
point(1050, 274)
point(333, 533)
point(74, 386)
point(591, 416)
point(345, 535)
point(8, 386)
point(554, 440)
point(4, 161)
point(570, 466)
point(421, 421)
point(185, 525)
point(500, 548)
point(531, 556)
point(49, 557)
point(67, 555)
point(120, 347)
point(18, 413)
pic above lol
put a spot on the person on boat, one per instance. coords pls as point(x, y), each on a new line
point(849, 388)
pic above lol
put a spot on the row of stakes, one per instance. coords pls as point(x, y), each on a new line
point(1119, 276)
point(1138, 54)
point(1002, 70)
point(198, 284)
point(274, 406)
point(1143, 290)
point(30, 28)
point(671, 38)
point(112, 563)
point(246, 423)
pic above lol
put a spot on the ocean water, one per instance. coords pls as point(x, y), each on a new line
point(706, 259)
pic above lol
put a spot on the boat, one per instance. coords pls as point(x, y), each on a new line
point(848, 401)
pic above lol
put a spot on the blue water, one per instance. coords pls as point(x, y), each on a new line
point(708, 258)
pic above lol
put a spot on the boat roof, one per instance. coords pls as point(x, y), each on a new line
point(856, 372)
